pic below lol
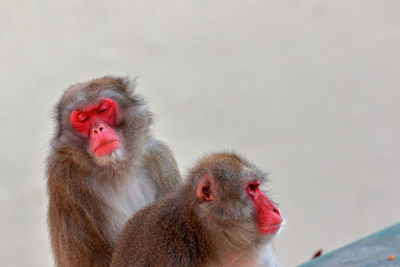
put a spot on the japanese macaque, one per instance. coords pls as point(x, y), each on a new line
point(219, 217)
point(104, 165)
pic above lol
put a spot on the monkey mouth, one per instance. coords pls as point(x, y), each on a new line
point(106, 148)
point(270, 229)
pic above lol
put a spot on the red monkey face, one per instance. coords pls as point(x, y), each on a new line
point(97, 122)
point(268, 216)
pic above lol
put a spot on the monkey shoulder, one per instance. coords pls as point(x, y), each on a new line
point(159, 153)
point(161, 167)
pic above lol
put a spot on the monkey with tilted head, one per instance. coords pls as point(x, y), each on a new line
point(104, 165)
point(219, 217)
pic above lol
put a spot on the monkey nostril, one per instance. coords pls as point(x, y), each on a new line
point(101, 129)
point(276, 211)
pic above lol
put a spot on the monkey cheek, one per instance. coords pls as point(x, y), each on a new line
point(105, 148)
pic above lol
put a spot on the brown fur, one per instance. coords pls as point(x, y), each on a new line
point(183, 230)
point(85, 212)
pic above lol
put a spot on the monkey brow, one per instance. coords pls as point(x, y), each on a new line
point(256, 174)
point(263, 176)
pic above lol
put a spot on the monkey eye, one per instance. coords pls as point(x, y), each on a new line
point(102, 110)
point(83, 116)
point(253, 187)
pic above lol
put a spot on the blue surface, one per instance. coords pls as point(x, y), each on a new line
point(370, 251)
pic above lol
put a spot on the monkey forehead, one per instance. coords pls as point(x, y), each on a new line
point(252, 173)
point(218, 161)
point(82, 94)
point(236, 161)
point(229, 166)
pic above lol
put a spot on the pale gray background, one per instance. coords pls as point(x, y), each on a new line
point(308, 90)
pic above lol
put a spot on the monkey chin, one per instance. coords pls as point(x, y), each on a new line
point(268, 232)
point(270, 229)
point(111, 159)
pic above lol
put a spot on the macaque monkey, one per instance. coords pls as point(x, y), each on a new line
point(104, 165)
point(219, 217)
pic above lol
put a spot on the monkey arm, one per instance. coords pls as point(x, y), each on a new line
point(161, 168)
point(77, 242)
point(76, 237)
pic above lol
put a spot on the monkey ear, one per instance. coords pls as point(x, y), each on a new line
point(205, 190)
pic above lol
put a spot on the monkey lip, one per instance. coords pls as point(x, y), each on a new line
point(270, 229)
point(106, 147)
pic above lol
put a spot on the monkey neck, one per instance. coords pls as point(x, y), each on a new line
point(183, 215)
point(234, 241)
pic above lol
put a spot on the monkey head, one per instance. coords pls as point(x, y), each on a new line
point(228, 189)
point(103, 118)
